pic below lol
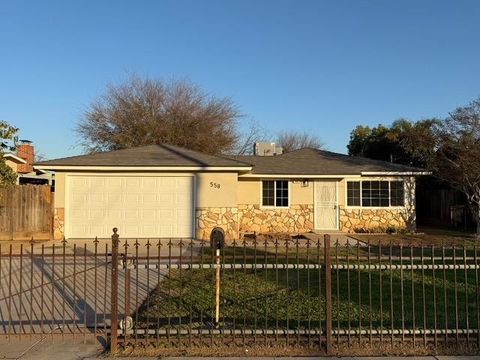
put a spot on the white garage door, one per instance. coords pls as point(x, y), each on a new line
point(140, 206)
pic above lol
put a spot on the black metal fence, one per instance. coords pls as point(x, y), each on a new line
point(321, 296)
point(55, 290)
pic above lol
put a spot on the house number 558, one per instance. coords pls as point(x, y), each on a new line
point(214, 185)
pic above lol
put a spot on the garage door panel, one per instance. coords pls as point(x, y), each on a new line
point(133, 199)
point(167, 182)
point(114, 215)
point(133, 183)
point(131, 230)
point(95, 198)
point(150, 201)
point(113, 200)
point(78, 214)
point(95, 214)
point(80, 183)
point(149, 215)
point(96, 183)
point(138, 206)
point(132, 214)
point(98, 229)
point(80, 197)
point(113, 182)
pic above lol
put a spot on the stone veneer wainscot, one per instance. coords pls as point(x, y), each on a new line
point(210, 217)
point(376, 220)
point(296, 218)
point(59, 223)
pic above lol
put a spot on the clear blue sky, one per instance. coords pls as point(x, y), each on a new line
point(318, 66)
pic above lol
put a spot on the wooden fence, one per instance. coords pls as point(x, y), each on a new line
point(26, 211)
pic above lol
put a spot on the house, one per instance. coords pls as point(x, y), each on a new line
point(164, 191)
point(22, 164)
point(13, 161)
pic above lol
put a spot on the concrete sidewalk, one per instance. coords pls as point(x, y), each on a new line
point(311, 358)
point(45, 349)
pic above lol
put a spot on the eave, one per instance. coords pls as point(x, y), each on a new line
point(14, 158)
point(140, 168)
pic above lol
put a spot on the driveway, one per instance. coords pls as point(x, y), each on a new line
point(70, 293)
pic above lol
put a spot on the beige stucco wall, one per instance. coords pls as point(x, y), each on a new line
point(342, 194)
point(249, 192)
point(216, 204)
point(59, 190)
point(216, 190)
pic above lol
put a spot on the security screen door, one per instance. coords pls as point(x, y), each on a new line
point(326, 205)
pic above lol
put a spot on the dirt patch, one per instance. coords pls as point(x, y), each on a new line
point(219, 348)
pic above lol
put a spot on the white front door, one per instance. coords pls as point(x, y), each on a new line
point(326, 205)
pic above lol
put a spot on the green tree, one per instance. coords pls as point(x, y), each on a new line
point(389, 143)
point(7, 133)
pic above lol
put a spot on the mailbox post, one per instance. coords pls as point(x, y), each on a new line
point(217, 241)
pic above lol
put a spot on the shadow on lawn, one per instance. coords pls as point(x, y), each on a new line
point(291, 299)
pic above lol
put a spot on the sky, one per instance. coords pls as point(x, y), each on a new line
point(318, 66)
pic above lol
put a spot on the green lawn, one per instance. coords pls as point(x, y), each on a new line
point(291, 299)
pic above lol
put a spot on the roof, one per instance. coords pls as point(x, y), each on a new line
point(309, 161)
point(14, 158)
point(152, 156)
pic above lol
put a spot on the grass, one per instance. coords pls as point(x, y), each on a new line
point(294, 299)
point(424, 237)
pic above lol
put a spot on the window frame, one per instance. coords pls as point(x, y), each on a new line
point(389, 180)
point(275, 194)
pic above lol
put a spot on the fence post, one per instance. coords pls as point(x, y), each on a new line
point(12, 213)
point(114, 297)
point(328, 294)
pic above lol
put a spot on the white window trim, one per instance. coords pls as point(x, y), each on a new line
point(275, 194)
point(375, 207)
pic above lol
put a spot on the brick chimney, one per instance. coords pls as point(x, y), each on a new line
point(26, 152)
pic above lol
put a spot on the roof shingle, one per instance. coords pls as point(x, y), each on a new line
point(151, 155)
point(308, 161)
point(305, 161)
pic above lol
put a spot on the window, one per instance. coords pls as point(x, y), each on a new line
point(268, 193)
point(375, 193)
point(353, 193)
point(397, 194)
point(275, 193)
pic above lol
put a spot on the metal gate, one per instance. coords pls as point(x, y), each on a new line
point(294, 295)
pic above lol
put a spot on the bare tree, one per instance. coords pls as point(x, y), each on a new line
point(150, 111)
point(292, 140)
point(252, 134)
